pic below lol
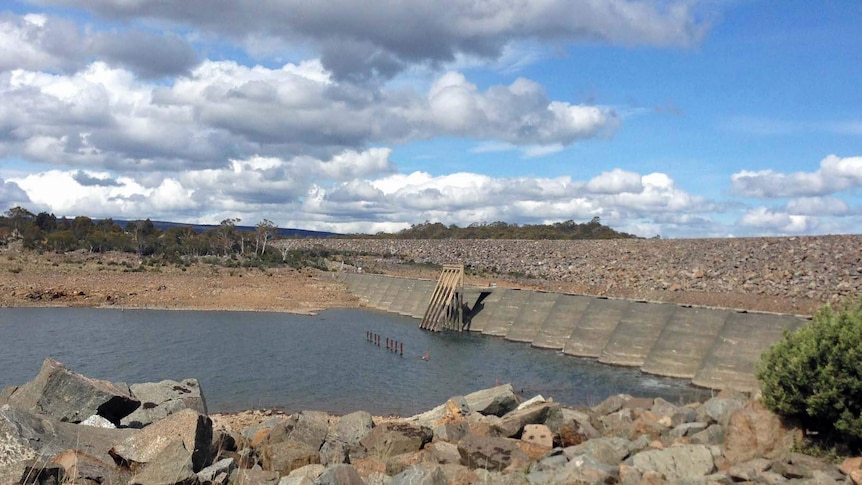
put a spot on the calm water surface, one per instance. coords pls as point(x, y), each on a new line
point(253, 360)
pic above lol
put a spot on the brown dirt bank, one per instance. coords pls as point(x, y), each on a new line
point(111, 280)
point(785, 275)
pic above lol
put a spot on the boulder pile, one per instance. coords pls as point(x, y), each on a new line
point(488, 436)
point(800, 273)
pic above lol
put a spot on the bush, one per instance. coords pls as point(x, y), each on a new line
point(814, 375)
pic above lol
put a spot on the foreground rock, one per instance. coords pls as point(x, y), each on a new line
point(161, 399)
point(68, 396)
point(484, 437)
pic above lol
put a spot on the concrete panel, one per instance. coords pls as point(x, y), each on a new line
point(357, 283)
point(361, 285)
point(400, 298)
point(491, 306)
point(528, 323)
point(732, 359)
point(421, 298)
point(685, 341)
point(495, 310)
point(396, 285)
point(410, 300)
point(634, 337)
point(561, 321)
point(593, 331)
point(376, 289)
point(510, 308)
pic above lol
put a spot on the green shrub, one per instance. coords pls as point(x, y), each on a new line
point(814, 374)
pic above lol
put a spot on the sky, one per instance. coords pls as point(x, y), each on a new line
point(670, 118)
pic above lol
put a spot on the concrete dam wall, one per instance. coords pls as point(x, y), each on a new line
point(714, 348)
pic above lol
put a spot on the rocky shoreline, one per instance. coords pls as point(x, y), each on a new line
point(64, 427)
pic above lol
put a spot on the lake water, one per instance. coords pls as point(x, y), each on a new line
point(247, 360)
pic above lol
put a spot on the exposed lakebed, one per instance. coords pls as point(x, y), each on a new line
point(250, 360)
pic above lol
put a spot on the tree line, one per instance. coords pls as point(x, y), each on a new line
point(46, 232)
point(593, 229)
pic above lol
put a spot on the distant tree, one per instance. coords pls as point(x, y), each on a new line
point(265, 230)
point(227, 234)
point(61, 241)
point(143, 235)
point(20, 217)
point(46, 222)
point(81, 227)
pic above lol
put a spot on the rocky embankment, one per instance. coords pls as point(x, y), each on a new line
point(63, 427)
point(782, 274)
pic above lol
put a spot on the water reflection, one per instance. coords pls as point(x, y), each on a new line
point(250, 360)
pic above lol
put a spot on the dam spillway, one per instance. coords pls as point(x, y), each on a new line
point(713, 348)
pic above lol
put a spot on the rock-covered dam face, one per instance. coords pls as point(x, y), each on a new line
point(714, 348)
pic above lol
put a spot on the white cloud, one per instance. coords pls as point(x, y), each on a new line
point(520, 114)
point(763, 218)
point(835, 175)
point(42, 43)
point(817, 206)
point(616, 181)
point(35, 42)
point(12, 195)
point(105, 118)
point(362, 40)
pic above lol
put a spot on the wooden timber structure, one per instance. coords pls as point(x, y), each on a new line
point(446, 307)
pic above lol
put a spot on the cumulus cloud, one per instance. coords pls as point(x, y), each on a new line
point(11, 195)
point(817, 206)
point(355, 190)
point(362, 40)
point(776, 221)
point(150, 55)
point(105, 117)
point(616, 181)
point(519, 113)
point(834, 175)
point(39, 42)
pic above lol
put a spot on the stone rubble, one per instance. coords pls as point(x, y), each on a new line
point(485, 437)
point(801, 273)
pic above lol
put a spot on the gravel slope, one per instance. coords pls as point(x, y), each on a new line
point(786, 274)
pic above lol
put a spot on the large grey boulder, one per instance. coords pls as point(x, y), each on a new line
point(68, 396)
point(611, 404)
point(194, 430)
point(73, 466)
point(218, 473)
point(496, 400)
point(455, 406)
point(340, 475)
point(419, 475)
point(677, 462)
point(718, 409)
point(576, 428)
point(351, 428)
point(286, 456)
point(585, 469)
point(27, 436)
point(610, 451)
point(512, 423)
point(489, 452)
point(161, 399)
point(172, 465)
point(309, 427)
point(395, 438)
